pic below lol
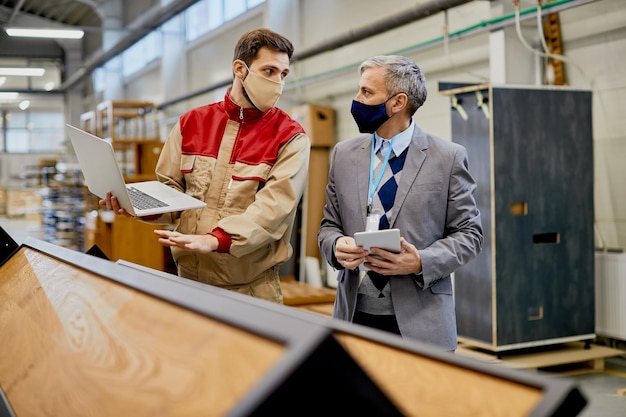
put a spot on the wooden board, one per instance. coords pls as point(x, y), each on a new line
point(296, 293)
point(405, 378)
point(568, 358)
point(84, 346)
point(89, 337)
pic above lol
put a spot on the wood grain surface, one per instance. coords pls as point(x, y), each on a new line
point(296, 293)
point(76, 344)
point(420, 386)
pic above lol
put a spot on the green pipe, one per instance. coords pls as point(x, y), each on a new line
point(477, 28)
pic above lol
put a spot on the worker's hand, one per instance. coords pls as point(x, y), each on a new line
point(348, 253)
point(389, 263)
point(111, 203)
point(194, 243)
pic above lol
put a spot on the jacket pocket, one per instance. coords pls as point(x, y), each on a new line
point(198, 172)
point(244, 183)
point(443, 286)
point(186, 163)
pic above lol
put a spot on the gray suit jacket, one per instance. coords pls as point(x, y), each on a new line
point(435, 210)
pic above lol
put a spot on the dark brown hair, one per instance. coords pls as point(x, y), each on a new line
point(250, 42)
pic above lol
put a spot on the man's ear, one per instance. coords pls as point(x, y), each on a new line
point(399, 102)
point(239, 69)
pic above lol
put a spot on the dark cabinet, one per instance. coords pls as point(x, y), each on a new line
point(531, 153)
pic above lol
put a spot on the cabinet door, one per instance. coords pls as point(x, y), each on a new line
point(474, 298)
point(531, 156)
point(543, 162)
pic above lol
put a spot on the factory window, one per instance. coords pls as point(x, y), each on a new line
point(207, 15)
point(33, 132)
point(98, 79)
point(145, 51)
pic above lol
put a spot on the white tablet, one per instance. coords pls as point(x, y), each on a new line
point(388, 239)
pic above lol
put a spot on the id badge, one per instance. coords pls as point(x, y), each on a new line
point(373, 220)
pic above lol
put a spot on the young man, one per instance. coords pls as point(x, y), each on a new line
point(398, 176)
point(248, 161)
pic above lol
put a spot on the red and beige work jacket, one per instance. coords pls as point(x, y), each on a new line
point(250, 168)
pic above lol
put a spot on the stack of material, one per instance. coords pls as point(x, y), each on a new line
point(308, 297)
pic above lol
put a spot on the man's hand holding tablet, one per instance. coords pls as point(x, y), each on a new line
point(387, 239)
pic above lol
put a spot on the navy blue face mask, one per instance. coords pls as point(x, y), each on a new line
point(369, 117)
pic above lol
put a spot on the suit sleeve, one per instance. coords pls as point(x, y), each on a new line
point(463, 235)
point(330, 228)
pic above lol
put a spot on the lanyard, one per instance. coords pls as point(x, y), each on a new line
point(373, 187)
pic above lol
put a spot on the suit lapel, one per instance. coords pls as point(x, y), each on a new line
point(416, 155)
point(362, 160)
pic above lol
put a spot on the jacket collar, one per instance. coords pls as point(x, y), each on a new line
point(250, 114)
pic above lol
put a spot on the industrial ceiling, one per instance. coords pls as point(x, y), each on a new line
point(67, 12)
point(46, 13)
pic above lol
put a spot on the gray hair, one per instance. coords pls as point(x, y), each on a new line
point(402, 75)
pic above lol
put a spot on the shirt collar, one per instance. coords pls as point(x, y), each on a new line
point(403, 139)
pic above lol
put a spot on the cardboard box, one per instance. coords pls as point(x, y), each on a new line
point(23, 203)
point(315, 199)
point(3, 200)
point(318, 122)
point(148, 155)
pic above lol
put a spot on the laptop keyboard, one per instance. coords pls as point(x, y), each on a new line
point(142, 200)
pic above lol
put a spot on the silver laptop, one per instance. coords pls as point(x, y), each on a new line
point(102, 173)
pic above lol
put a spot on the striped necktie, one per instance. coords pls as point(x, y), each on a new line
point(386, 194)
point(385, 198)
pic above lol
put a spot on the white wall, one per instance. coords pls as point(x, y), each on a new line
point(595, 43)
point(593, 37)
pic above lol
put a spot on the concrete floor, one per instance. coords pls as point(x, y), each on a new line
point(599, 387)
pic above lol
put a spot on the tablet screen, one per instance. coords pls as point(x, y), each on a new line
point(388, 239)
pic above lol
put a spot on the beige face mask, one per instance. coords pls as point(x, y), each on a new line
point(262, 92)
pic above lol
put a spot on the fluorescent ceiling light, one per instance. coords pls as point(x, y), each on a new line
point(2, 80)
point(45, 33)
point(24, 72)
point(8, 96)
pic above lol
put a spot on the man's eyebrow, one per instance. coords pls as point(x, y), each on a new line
point(274, 67)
